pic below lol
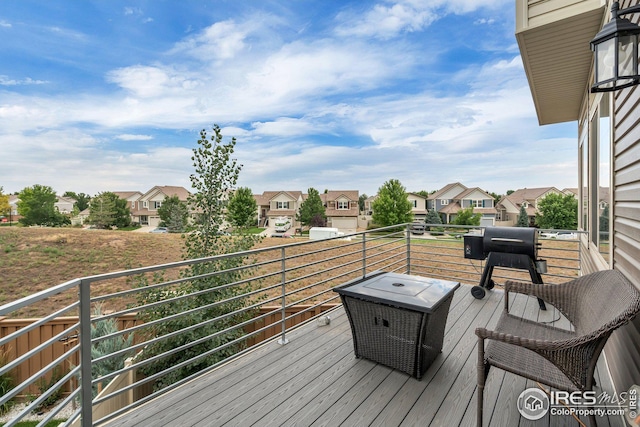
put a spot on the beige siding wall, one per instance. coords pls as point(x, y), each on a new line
point(623, 353)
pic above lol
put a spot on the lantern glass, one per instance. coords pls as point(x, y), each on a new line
point(627, 64)
point(605, 60)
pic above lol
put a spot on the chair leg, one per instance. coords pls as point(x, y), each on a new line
point(482, 376)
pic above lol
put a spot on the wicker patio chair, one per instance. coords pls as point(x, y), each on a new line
point(596, 304)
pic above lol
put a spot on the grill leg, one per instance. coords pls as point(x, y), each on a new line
point(537, 279)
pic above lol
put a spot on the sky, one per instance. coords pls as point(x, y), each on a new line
point(340, 95)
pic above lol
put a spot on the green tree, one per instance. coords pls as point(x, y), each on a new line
point(496, 198)
point(174, 214)
point(467, 217)
point(5, 208)
point(216, 173)
point(510, 192)
point(558, 211)
point(361, 200)
point(106, 347)
point(392, 205)
point(82, 200)
point(107, 210)
point(102, 211)
point(423, 193)
point(523, 217)
point(433, 218)
point(242, 210)
point(36, 205)
point(312, 211)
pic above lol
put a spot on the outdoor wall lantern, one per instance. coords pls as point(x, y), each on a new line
point(616, 48)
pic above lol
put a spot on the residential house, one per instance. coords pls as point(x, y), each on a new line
point(440, 200)
point(509, 206)
point(554, 44)
point(454, 197)
point(64, 205)
point(274, 204)
point(144, 208)
point(13, 207)
point(368, 205)
point(342, 209)
point(131, 197)
point(418, 206)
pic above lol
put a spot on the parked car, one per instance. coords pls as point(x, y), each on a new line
point(418, 228)
point(566, 235)
point(562, 235)
point(159, 230)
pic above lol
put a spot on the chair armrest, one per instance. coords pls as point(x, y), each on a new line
point(531, 344)
point(511, 339)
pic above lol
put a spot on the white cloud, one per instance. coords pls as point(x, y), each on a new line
point(6, 81)
point(222, 40)
point(131, 137)
point(388, 18)
point(5, 24)
point(132, 11)
point(386, 21)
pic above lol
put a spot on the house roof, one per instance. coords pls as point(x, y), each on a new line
point(530, 195)
point(270, 195)
point(170, 190)
point(418, 195)
point(336, 194)
point(127, 194)
point(66, 200)
point(438, 194)
point(470, 191)
point(451, 208)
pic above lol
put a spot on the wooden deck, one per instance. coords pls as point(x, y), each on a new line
point(315, 380)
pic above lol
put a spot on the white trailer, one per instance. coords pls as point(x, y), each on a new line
point(319, 233)
point(282, 224)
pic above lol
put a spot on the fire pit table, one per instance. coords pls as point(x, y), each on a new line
point(397, 319)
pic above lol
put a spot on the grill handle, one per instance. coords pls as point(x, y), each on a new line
point(505, 240)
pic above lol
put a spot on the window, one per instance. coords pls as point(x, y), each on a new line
point(583, 179)
point(601, 202)
point(145, 204)
point(155, 205)
point(343, 205)
point(476, 203)
point(282, 205)
point(444, 202)
point(415, 203)
point(595, 149)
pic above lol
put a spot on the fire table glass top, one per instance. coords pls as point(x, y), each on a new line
point(402, 290)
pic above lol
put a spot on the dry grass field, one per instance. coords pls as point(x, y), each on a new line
point(33, 259)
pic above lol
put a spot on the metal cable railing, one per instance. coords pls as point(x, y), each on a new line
point(179, 325)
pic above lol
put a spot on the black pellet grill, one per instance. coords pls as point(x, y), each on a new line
point(508, 247)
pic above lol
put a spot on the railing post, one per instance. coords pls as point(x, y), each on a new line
point(283, 339)
point(408, 248)
point(85, 354)
point(364, 254)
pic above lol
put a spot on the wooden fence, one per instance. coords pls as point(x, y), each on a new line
point(32, 339)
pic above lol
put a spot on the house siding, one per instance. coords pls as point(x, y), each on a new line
point(623, 350)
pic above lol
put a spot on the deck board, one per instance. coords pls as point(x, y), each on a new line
point(315, 380)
